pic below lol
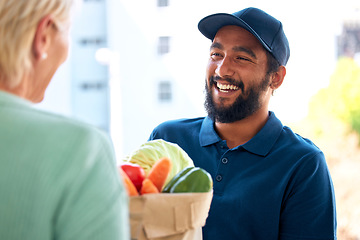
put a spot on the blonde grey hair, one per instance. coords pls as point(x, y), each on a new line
point(18, 22)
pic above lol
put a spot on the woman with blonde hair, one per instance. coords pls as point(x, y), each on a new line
point(58, 177)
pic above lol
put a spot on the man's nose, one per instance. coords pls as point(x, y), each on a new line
point(224, 68)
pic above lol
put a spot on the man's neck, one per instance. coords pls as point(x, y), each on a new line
point(240, 132)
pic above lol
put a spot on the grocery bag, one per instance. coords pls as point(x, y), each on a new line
point(169, 216)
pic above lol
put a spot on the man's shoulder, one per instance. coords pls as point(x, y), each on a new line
point(181, 123)
point(173, 130)
point(297, 142)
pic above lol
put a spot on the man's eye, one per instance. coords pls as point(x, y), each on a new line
point(215, 55)
point(243, 59)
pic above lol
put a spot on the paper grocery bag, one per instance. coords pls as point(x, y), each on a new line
point(169, 216)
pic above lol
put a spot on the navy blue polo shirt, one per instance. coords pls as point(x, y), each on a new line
point(275, 186)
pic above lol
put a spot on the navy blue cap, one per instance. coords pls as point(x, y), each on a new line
point(267, 29)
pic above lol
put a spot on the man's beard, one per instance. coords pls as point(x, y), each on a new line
point(245, 105)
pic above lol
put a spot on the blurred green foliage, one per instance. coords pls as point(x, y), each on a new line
point(341, 99)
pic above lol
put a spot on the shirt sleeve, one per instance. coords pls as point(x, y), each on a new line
point(94, 204)
point(309, 210)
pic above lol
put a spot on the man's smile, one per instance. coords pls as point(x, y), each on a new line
point(226, 87)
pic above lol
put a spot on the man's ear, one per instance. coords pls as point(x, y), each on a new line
point(277, 78)
point(42, 38)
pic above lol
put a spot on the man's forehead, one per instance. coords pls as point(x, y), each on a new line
point(238, 36)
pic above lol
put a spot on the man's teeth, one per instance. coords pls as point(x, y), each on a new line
point(225, 87)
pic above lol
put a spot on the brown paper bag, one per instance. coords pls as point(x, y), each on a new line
point(166, 216)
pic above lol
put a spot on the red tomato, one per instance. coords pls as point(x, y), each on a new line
point(135, 173)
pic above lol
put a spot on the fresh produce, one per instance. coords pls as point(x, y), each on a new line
point(130, 187)
point(171, 183)
point(135, 173)
point(159, 172)
point(152, 151)
point(159, 166)
point(191, 180)
point(152, 183)
point(148, 187)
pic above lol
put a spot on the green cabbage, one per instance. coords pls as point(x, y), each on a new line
point(151, 151)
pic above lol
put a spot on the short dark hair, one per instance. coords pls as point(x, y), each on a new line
point(272, 64)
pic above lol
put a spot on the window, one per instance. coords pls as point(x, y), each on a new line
point(164, 92)
point(86, 86)
point(349, 41)
point(164, 45)
point(92, 41)
point(163, 3)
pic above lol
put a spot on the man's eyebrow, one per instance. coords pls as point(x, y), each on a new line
point(216, 45)
point(235, 49)
point(246, 50)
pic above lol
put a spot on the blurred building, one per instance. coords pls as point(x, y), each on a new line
point(153, 78)
point(348, 41)
point(126, 74)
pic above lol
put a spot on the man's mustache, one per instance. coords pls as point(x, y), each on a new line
point(239, 84)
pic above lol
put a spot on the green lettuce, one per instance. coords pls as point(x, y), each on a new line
point(150, 152)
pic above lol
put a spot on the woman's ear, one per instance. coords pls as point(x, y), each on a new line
point(42, 38)
point(277, 78)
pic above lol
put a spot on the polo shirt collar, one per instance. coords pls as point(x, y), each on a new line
point(208, 134)
point(260, 144)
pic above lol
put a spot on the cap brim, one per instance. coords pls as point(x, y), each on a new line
point(211, 24)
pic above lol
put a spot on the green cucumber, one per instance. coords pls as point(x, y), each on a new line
point(195, 180)
point(175, 179)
